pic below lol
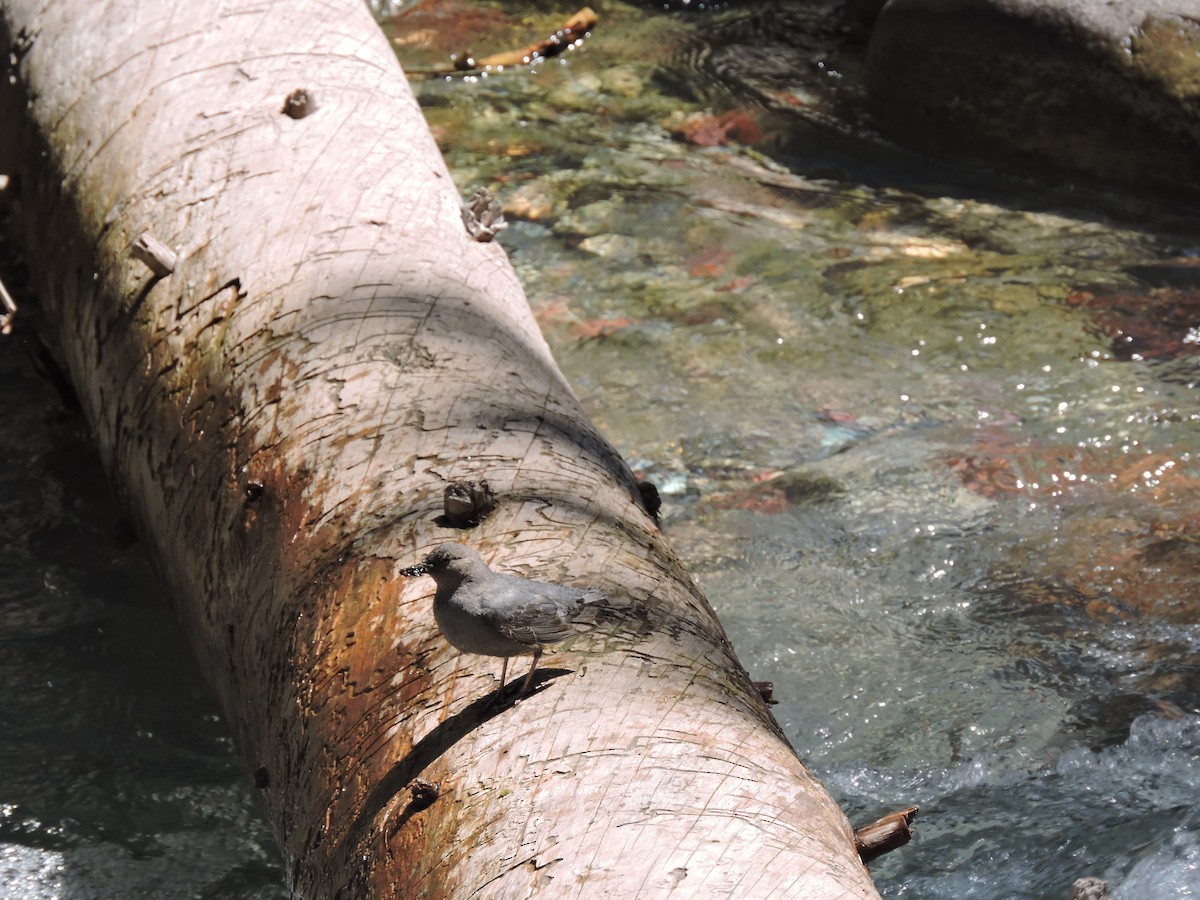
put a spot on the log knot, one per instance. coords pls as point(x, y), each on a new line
point(299, 103)
point(483, 215)
point(466, 503)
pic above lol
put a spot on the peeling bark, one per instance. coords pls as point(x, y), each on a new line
point(282, 412)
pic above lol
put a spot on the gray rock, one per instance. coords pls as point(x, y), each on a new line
point(1110, 89)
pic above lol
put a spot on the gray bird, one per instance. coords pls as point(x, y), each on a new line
point(485, 612)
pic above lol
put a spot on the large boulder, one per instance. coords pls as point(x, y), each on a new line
point(1109, 89)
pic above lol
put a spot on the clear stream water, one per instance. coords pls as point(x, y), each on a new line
point(931, 451)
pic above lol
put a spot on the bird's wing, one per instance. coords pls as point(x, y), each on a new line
point(546, 615)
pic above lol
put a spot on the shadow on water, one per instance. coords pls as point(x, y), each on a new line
point(118, 776)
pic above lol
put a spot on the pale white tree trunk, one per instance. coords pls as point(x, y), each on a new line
point(282, 413)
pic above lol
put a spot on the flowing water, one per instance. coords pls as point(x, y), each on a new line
point(929, 448)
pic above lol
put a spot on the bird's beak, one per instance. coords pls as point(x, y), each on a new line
point(414, 571)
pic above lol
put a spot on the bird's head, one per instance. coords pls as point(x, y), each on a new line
point(449, 563)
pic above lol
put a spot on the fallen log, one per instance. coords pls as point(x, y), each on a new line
point(288, 344)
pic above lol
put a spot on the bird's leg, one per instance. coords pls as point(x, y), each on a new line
point(497, 699)
point(537, 654)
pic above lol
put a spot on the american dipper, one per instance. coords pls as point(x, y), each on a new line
point(485, 612)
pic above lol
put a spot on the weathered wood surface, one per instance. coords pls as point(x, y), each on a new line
point(282, 411)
